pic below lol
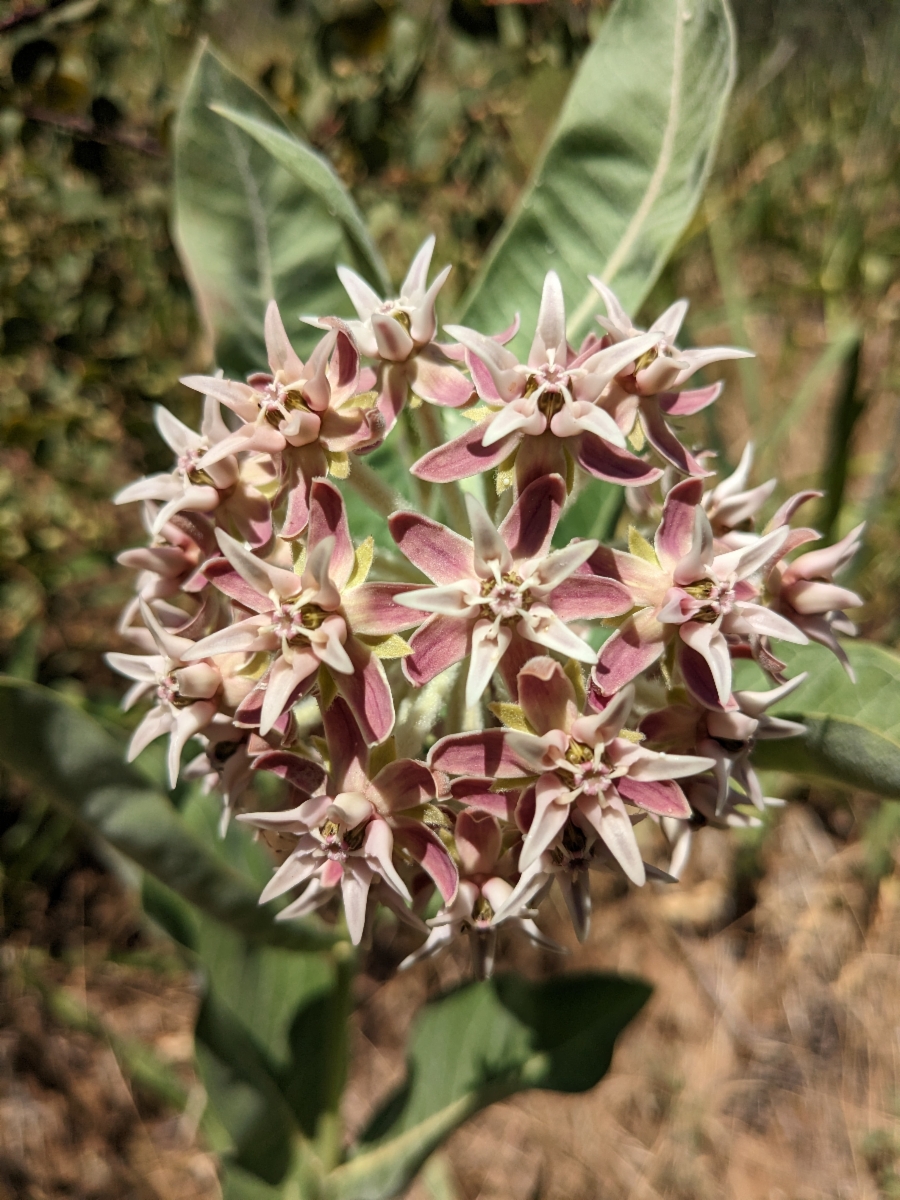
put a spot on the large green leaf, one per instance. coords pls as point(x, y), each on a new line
point(72, 760)
point(477, 1045)
point(258, 215)
point(622, 171)
point(852, 729)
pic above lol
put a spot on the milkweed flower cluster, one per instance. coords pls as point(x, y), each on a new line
point(452, 741)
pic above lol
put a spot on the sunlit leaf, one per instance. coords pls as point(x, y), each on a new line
point(477, 1045)
point(623, 170)
point(852, 729)
point(258, 215)
point(80, 768)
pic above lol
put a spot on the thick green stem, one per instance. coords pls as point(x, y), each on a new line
point(375, 492)
point(329, 1133)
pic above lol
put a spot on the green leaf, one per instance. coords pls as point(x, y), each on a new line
point(623, 170)
point(852, 729)
point(258, 215)
point(477, 1045)
point(72, 760)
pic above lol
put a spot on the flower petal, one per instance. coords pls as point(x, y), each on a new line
point(282, 356)
point(363, 299)
point(588, 597)
point(634, 647)
point(615, 828)
point(437, 380)
point(372, 609)
point(707, 640)
point(604, 461)
point(367, 692)
point(489, 643)
point(262, 576)
point(464, 456)
point(441, 554)
point(531, 522)
point(430, 853)
point(483, 753)
point(663, 797)
point(328, 518)
point(437, 644)
point(675, 534)
point(549, 343)
point(546, 695)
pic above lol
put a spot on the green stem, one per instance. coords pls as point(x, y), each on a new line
point(373, 490)
point(329, 1133)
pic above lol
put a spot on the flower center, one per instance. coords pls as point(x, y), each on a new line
point(505, 598)
point(167, 692)
point(718, 597)
point(186, 465)
point(339, 841)
point(293, 622)
point(276, 401)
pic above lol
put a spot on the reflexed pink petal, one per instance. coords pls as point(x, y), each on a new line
point(481, 377)
point(790, 506)
point(588, 597)
point(292, 872)
point(393, 389)
point(476, 793)
point(698, 563)
point(347, 749)
point(252, 516)
point(615, 828)
point(518, 652)
point(709, 642)
point(663, 797)
point(437, 380)
point(484, 753)
point(646, 583)
point(634, 647)
point(604, 461)
point(546, 695)
point(302, 773)
point(222, 574)
point(371, 609)
point(552, 800)
point(664, 441)
point(697, 676)
point(328, 518)
point(538, 458)
point(822, 564)
point(296, 514)
point(413, 286)
point(531, 522)
point(429, 851)
point(404, 783)
point(436, 645)
point(367, 692)
point(464, 456)
point(441, 554)
point(685, 404)
point(355, 882)
point(394, 343)
point(675, 534)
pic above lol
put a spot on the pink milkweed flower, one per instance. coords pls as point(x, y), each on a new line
point(688, 595)
point(728, 737)
point(303, 412)
point(224, 765)
point(185, 691)
point(581, 763)
point(662, 367)
point(732, 507)
point(487, 869)
point(400, 333)
point(504, 593)
point(542, 410)
point(348, 835)
point(197, 485)
point(804, 592)
point(312, 620)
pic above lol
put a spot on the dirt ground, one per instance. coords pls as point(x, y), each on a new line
point(765, 1066)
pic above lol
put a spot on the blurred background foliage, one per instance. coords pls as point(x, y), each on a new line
point(433, 112)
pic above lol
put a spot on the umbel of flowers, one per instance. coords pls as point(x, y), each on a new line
point(522, 757)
